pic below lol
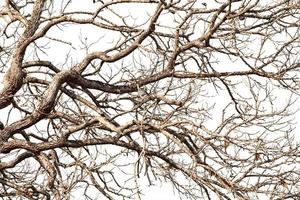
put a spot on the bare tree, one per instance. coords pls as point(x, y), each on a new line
point(100, 100)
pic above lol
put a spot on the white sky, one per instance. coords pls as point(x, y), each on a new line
point(160, 192)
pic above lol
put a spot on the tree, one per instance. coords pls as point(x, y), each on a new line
point(102, 99)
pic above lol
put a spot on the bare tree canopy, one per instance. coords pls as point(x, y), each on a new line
point(101, 99)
